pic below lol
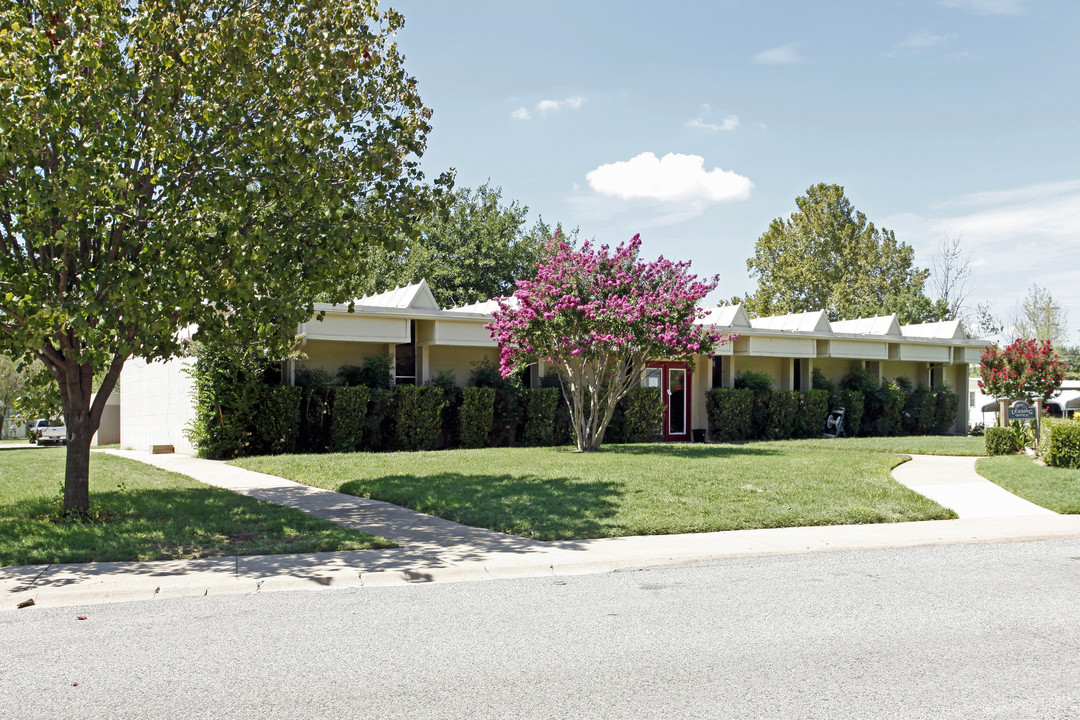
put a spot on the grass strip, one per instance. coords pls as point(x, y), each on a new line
point(1056, 489)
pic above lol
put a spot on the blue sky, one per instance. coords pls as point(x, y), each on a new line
point(697, 123)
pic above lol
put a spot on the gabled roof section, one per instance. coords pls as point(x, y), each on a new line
point(945, 330)
point(487, 307)
point(725, 316)
point(816, 321)
point(417, 296)
point(881, 325)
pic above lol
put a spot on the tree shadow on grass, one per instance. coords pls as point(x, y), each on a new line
point(704, 451)
point(531, 506)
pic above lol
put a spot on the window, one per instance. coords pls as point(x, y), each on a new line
point(971, 399)
point(798, 375)
point(652, 377)
point(405, 359)
point(718, 371)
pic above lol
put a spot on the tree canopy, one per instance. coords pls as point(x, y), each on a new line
point(204, 163)
point(828, 256)
point(1026, 369)
point(598, 315)
point(472, 249)
point(1040, 317)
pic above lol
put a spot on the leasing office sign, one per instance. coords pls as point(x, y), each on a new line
point(1021, 410)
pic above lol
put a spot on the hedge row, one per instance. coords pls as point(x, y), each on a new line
point(1061, 446)
point(733, 413)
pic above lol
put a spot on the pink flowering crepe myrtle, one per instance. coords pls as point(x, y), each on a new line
point(599, 316)
point(1026, 369)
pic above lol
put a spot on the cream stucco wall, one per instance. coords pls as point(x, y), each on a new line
point(156, 404)
point(330, 355)
point(458, 360)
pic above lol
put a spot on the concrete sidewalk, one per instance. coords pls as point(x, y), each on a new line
point(953, 482)
point(436, 550)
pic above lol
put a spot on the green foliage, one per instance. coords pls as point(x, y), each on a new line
point(379, 432)
point(813, 412)
point(477, 416)
point(945, 410)
point(564, 430)
point(854, 408)
point(1040, 317)
point(827, 256)
point(239, 407)
point(201, 164)
point(821, 382)
point(920, 416)
point(730, 413)
point(781, 407)
point(377, 371)
point(508, 413)
point(541, 404)
point(760, 384)
point(349, 418)
point(643, 415)
point(315, 419)
point(419, 416)
point(1000, 441)
point(1062, 445)
point(36, 393)
point(471, 249)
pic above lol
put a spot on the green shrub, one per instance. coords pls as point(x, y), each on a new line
point(781, 407)
point(820, 382)
point(377, 371)
point(760, 384)
point(813, 412)
point(643, 415)
point(854, 405)
point(948, 404)
point(315, 419)
point(563, 432)
point(1062, 446)
point(730, 412)
point(509, 413)
point(476, 416)
point(540, 406)
point(418, 419)
point(276, 423)
point(380, 420)
point(1000, 441)
point(348, 418)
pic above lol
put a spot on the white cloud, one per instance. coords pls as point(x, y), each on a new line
point(989, 7)
point(920, 41)
point(728, 124)
point(548, 106)
point(672, 178)
point(783, 55)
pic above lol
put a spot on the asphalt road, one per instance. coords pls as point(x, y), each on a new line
point(967, 631)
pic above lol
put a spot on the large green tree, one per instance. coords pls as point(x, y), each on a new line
point(828, 256)
point(165, 164)
point(471, 249)
point(1040, 317)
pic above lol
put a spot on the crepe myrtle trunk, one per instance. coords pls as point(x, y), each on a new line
point(82, 419)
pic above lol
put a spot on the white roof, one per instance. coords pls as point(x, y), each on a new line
point(881, 325)
point(798, 322)
point(947, 329)
point(726, 316)
point(410, 296)
point(1069, 399)
point(487, 307)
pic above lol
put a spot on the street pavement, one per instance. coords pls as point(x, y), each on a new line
point(434, 550)
point(985, 630)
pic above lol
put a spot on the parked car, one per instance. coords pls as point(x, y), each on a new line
point(53, 436)
point(35, 429)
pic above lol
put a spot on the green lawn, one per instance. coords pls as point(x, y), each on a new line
point(555, 493)
point(153, 515)
point(1056, 489)
point(913, 445)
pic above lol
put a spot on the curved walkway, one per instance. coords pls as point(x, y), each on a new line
point(953, 482)
point(435, 550)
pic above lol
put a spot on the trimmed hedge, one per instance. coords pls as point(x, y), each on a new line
point(1000, 441)
point(854, 408)
point(813, 413)
point(948, 404)
point(781, 407)
point(540, 406)
point(730, 412)
point(349, 418)
point(418, 417)
point(643, 415)
point(476, 416)
point(1062, 446)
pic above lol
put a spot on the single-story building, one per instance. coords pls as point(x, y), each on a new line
point(425, 340)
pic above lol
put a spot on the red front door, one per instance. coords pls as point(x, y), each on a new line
point(673, 379)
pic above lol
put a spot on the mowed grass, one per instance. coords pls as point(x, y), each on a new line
point(150, 514)
point(555, 493)
point(913, 445)
point(1056, 489)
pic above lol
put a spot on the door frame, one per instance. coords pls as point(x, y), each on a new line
point(666, 367)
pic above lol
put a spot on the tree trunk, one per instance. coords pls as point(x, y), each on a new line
point(77, 469)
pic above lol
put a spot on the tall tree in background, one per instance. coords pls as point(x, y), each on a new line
point(828, 256)
point(206, 163)
point(949, 275)
point(471, 250)
point(1040, 317)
